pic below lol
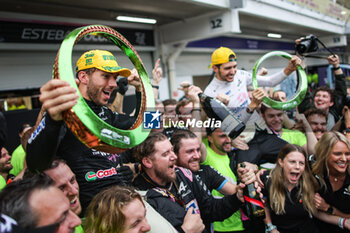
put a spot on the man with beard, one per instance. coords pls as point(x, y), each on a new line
point(5, 167)
point(96, 74)
point(218, 146)
point(314, 125)
point(188, 152)
point(317, 120)
point(232, 82)
point(173, 190)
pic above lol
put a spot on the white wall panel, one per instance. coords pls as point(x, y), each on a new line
point(197, 64)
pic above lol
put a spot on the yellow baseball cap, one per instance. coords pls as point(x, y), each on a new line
point(221, 56)
point(102, 60)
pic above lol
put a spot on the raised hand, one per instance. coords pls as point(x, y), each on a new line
point(258, 95)
point(157, 73)
point(193, 92)
point(56, 97)
point(301, 120)
point(333, 60)
point(134, 80)
point(292, 65)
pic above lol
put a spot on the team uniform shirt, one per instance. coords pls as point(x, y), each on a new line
point(94, 170)
point(295, 219)
point(222, 164)
point(235, 90)
point(210, 177)
point(294, 137)
point(79, 229)
point(173, 199)
point(17, 160)
point(2, 183)
point(339, 199)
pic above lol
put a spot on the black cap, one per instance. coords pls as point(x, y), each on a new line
point(210, 130)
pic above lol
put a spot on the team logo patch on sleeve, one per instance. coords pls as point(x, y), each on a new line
point(195, 206)
point(40, 127)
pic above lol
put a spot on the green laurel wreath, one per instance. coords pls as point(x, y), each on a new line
point(300, 92)
point(108, 138)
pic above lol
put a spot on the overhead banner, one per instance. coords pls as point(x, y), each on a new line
point(23, 32)
point(327, 7)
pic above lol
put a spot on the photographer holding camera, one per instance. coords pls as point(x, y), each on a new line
point(324, 98)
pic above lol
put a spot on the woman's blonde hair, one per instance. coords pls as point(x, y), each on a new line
point(307, 184)
point(104, 213)
point(324, 149)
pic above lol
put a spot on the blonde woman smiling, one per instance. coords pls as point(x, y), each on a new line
point(332, 172)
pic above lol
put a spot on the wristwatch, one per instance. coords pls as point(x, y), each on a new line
point(347, 130)
point(330, 210)
point(269, 227)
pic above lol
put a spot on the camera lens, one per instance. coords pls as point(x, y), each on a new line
point(307, 45)
point(303, 47)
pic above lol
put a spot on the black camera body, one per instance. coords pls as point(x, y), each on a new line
point(307, 45)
